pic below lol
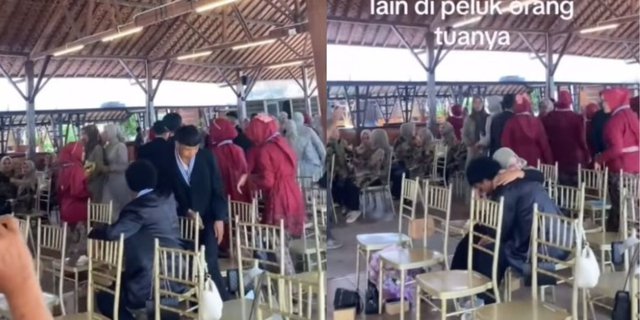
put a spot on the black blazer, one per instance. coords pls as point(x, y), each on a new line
point(497, 127)
point(158, 152)
point(205, 193)
point(242, 141)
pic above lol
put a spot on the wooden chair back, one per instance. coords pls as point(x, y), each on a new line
point(297, 298)
point(437, 208)
point(105, 273)
point(50, 252)
point(99, 213)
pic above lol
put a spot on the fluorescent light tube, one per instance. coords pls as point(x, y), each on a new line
point(68, 50)
point(194, 55)
point(254, 44)
point(213, 5)
point(121, 34)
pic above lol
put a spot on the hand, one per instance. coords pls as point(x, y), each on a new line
point(195, 216)
point(16, 263)
point(597, 166)
point(507, 177)
point(218, 226)
point(484, 242)
point(242, 182)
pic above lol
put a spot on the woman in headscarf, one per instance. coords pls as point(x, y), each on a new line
point(344, 191)
point(456, 119)
point(566, 133)
point(310, 147)
point(117, 160)
point(622, 139)
point(494, 107)
point(424, 153)
point(456, 153)
point(73, 194)
point(404, 151)
point(375, 170)
point(231, 161)
point(7, 189)
point(27, 184)
point(589, 112)
point(363, 151)
point(525, 134)
point(6, 167)
point(273, 170)
point(230, 157)
point(474, 129)
point(94, 161)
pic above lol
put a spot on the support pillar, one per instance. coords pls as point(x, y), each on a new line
point(317, 16)
point(242, 99)
point(432, 101)
point(550, 87)
point(305, 91)
point(150, 112)
point(31, 108)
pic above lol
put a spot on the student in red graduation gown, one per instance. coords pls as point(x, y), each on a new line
point(566, 132)
point(456, 118)
point(273, 169)
point(525, 134)
point(73, 192)
point(232, 161)
point(622, 141)
point(589, 112)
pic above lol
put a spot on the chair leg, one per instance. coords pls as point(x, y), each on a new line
point(357, 267)
point(417, 305)
point(403, 274)
point(380, 279)
point(443, 309)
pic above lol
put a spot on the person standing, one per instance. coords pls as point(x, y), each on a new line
point(525, 134)
point(589, 112)
point(499, 121)
point(456, 119)
point(155, 151)
point(566, 132)
point(199, 190)
point(117, 158)
point(622, 138)
point(312, 151)
point(94, 153)
point(474, 129)
point(273, 170)
point(241, 140)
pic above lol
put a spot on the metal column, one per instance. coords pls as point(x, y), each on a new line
point(242, 103)
point(305, 91)
point(432, 102)
point(150, 112)
point(550, 84)
point(31, 108)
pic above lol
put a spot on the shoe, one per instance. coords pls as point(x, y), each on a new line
point(352, 216)
point(333, 244)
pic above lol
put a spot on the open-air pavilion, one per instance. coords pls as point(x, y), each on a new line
point(236, 43)
point(599, 28)
point(549, 38)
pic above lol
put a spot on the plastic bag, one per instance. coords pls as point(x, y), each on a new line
point(210, 303)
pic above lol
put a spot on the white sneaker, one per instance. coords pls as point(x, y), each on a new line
point(352, 216)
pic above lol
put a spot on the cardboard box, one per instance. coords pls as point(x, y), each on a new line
point(344, 314)
point(393, 308)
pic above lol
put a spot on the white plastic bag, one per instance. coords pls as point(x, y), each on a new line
point(587, 272)
point(210, 304)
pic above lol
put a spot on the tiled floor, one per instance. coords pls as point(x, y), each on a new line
point(341, 264)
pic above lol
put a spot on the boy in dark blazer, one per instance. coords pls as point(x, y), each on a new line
point(197, 187)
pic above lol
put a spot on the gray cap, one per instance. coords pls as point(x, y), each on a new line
point(507, 158)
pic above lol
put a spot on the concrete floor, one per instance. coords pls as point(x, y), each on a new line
point(342, 262)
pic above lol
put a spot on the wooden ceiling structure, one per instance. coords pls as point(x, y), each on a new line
point(351, 23)
point(33, 29)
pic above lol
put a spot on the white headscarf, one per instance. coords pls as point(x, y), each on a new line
point(113, 133)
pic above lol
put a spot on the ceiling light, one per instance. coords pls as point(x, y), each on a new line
point(121, 34)
point(254, 44)
point(599, 28)
point(213, 5)
point(194, 55)
point(286, 64)
point(466, 22)
point(68, 50)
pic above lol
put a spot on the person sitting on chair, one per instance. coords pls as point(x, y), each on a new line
point(151, 215)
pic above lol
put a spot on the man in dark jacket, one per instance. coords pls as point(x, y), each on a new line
point(241, 140)
point(519, 198)
point(597, 124)
point(148, 217)
point(156, 152)
point(198, 189)
point(500, 121)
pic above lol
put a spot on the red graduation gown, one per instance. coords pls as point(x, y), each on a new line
point(566, 132)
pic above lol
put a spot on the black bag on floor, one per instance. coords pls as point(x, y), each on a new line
point(347, 299)
point(371, 299)
point(622, 306)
